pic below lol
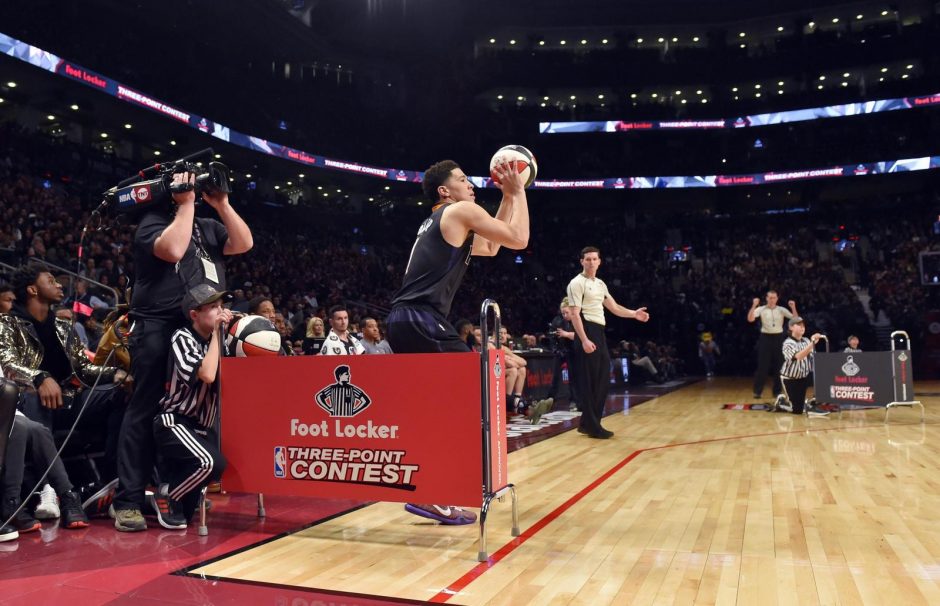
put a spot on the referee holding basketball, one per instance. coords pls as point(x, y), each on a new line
point(588, 296)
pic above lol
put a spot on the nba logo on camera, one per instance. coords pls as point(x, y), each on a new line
point(280, 462)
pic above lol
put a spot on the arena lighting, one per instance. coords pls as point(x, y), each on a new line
point(639, 40)
point(743, 45)
point(584, 42)
point(128, 126)
point(492, 40)
point(884, 13)
point(822, 77)
point(779, 28)
point(55, 64)
point(741, 35)
point(780, 83)
point(50, 117)
point(277, 187)
point(757, 86)
point(604, 41)
point(512, 42)
point(301, 175)
point(248, 175)
point(884, 69)
point(541, 42)
point(500, 97)
point(910, 67)
point(172, 142)
point(835, 19)
point(218, 156)
point(73, 107)
point(156, 152)
point(563, 43)
point(845, 75)
point(695, 39)
point(675, 39)
point(11, 84)
point(735, 89)
point(811, 24)
point(660, 40)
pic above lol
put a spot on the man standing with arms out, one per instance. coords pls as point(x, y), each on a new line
point(769, 348)
point(173, 251)
point(372, 339)
point(588, 296)
point(456, 229)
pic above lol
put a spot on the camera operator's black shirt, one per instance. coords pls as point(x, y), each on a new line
point(158, 289)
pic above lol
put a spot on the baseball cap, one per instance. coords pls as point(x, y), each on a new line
point(202, 294)
point(795, 320)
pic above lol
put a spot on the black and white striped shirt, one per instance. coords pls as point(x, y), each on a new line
point(793, 368)
point(186, 394)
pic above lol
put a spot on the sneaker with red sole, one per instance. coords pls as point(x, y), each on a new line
point(73, 516)
point(445, 514)
point(22, 521)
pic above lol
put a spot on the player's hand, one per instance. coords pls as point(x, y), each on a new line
point(186, 197)
point(641, 315)
point(50, 394)
point(588, 346)
point(755, 302)
point(510, 182)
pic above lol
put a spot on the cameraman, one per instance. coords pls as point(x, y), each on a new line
point(174, 251)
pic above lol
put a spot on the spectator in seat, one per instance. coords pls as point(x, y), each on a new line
point(372, 338)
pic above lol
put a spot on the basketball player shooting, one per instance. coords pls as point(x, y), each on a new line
point(457, 229)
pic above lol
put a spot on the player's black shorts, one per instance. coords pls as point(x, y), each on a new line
point(413, 329)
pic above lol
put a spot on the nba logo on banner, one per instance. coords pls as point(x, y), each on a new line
point(280, 462)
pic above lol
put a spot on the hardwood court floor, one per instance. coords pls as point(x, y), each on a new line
point(687, 504)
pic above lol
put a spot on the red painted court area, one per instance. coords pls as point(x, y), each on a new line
point(98, 565)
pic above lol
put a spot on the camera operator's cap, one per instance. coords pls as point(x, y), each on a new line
point(203, 294)
point(794, 321)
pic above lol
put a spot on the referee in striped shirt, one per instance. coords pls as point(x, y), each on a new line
point(796, 370)
point(186, 440)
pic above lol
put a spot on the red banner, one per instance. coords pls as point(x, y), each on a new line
point(400, 428)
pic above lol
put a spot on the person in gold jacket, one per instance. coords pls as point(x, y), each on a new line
point(42, 353)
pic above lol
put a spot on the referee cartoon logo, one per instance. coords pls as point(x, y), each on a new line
point(342, 399)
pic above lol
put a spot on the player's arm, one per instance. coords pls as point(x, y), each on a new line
point(513, 213)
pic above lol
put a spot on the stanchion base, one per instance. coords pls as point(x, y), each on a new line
point(481, 556)
point(515, 531)
point(203, 531)
point(910, 404)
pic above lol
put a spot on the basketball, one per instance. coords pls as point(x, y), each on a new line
point(251, 336)
point(523, 159)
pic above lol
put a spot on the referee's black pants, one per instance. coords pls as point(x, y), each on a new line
point(769, 361)
point(795, 391)
point(150, 347)
point(593, 378)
